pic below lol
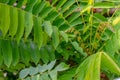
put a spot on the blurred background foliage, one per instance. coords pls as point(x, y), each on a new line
point(74, 39)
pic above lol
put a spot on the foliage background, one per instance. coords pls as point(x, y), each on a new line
point(41, 38)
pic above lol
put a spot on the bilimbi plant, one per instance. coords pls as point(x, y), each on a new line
point(59, 39)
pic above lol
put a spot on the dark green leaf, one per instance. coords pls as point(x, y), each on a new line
point(1, 55)
point(7, 52)
point(44, 55)
point(34, 53)
point(24, 53)
point(38, 33)
point(15, 54)
point(51, 52)
point(55, 37)
point(64, 35)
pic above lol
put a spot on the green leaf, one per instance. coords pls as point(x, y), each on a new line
point(4, 19)
point(28, 24)
point(20, 3)
point(44, 77)
point(88, 7)
point(24, 73)
point(36, 77)
point(78, 48)
point(58, 21)
point(89, 69)
point(67, 5)
point(33, 71)
point(46, 67)
point(64, 35)
point(43, 68)
point(70, 11)
point(64, 27)
point(45, 38)
point(53, 74)
point(4, 1)
point(54, 1)
point(100, 17)
point(55, 37)
point(61, 67)
point(66, 54)
point(11, 2)
point(61, 3)
point(38, 33)
point(68, 75)
point(46, 11)
point(13, 21)
point(51, 52)
point(1, 55)
point(30, 5)
point(24, 53)
point(7, 52)
point(38, 7)
point(34, 53)
point(51, 65)
point(21, 25)
point(112, 45)
point(76, 22)
point(44, 55)
point(15, 54)
point(104, 5)
point(86, 28)
point(107, 63)
point(48, 27)
point(28, 78)
point(1, 58)
point(73, 17)
point(52, 16)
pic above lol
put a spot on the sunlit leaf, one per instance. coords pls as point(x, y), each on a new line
point(61, 67)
